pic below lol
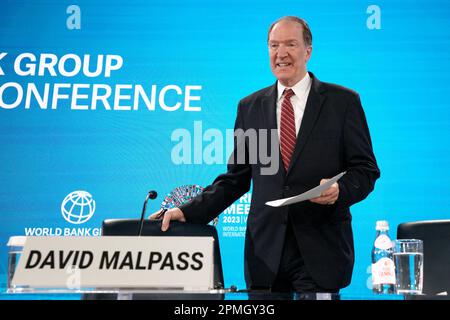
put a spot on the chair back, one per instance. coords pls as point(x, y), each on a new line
point(435, 235)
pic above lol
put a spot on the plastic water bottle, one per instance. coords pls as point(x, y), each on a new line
point(383, 268)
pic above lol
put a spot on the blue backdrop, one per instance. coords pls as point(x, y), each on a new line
point(201, 58)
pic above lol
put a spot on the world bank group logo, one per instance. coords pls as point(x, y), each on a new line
point(78, 207)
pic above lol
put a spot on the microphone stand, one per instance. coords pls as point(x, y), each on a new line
point(151, 195)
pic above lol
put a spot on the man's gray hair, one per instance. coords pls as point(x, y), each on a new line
point(307, 35)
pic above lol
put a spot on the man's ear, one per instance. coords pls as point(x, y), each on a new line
point(308, 53)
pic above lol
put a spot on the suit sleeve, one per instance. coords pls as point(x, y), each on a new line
point(227, 187)
point(360, 162)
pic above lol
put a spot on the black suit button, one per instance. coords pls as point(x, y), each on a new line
point(286, 188)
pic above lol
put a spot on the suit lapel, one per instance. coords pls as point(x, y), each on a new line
point(312, 110)
point(269, 114)
point(269, 106)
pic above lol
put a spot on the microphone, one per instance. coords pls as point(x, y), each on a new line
point(151, 195)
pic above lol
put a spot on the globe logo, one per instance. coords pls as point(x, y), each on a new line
point(78, 207)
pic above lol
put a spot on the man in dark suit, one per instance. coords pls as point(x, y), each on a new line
point(321, 131)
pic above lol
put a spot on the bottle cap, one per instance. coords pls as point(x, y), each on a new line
point(16, 241)
point(382, 225)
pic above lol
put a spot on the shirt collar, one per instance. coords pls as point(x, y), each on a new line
point(299, 88)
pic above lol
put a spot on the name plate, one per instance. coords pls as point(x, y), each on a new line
point(116, 262)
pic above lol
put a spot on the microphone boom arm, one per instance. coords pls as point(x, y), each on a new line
point(151, 195)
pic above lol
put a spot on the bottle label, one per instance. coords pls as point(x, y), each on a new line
point(383, 271)
point(383, 242)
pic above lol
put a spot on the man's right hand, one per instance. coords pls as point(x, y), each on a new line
point(171, 214)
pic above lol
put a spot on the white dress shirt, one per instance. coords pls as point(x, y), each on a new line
point(301, 90)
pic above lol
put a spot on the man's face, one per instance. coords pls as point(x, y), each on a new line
point(288, 52)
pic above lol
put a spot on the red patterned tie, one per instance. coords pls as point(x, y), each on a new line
point(287, 128)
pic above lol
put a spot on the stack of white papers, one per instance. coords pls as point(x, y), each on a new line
point(310, 194)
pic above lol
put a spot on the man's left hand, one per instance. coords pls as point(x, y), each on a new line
point(329, 196)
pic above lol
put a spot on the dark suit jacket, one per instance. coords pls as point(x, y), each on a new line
point(333, 137)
